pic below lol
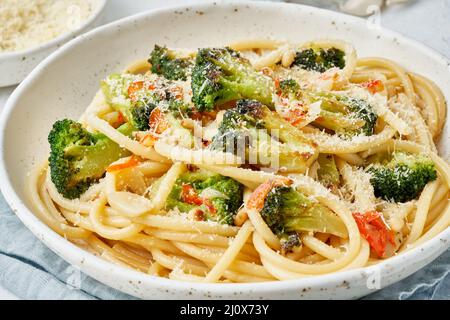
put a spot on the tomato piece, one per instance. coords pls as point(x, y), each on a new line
point(189, 195)
point(131, 162)
point(138, 86)
point(199, 215)
point(374, 229)
point(277, 85)
point(157, 121)
point(134, 88)
point(209, 205)
point(296, 116)
point(205, 143)
point(177, 92)
point(373, 86)
point(257, 198)
point(120, 118)
point(196, 115)
point(148, 140)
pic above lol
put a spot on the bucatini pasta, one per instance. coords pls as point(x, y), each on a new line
point(260, 161)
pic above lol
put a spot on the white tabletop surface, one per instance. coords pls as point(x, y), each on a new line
point(425, 20)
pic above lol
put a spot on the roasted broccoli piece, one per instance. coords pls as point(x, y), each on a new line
point(215, 197)
point(327, 173)
point(79, 158)
point(287, 211)
point(140, 114)
point(221, 75)
point(135, 99)
point(361, 110)
point(289, 242)
point(136, 109)
point(166, 63)
point(403, 177)
point(262, 137)
point(319, 59)
point(289, 88)
point(346, 116)
point(178, 107)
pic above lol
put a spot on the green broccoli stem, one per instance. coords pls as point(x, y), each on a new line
point(285, 131)
point(127, 129)
point(95, 159)
point(267, 139)
point(344, 115)
point(338, 122)
point(98, 157)
point(115, 90)
point(248, 88)
point(316, 219)
point(286, 210)
point(328, 173)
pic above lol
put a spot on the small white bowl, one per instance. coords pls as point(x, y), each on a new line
point(16, 65)
point(64, 84)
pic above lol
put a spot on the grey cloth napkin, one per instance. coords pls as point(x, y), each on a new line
point(30, 270)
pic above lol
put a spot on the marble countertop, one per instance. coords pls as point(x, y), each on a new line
point(423, 20)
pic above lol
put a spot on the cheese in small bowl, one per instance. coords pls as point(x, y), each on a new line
point(31, 29)
point(28, 23)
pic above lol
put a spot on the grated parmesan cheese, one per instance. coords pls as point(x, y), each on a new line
point(28, 23)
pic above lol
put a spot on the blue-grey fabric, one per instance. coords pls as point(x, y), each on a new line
point(30, 270)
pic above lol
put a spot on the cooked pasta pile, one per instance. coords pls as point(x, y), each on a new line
point(260, 161)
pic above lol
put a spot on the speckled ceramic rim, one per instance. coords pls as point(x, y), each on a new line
point(90, 263)
point(61, 38)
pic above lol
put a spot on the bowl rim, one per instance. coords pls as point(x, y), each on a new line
point(88, 262)
point(62, 38)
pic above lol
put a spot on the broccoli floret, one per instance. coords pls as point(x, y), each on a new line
point(127, 94)
point(289, 87)
point(271, 212)
point(79, 158)
point(140, 114)
point(179, 108)
point(403, 177)
point(216, 196)
point(361, 109)
point(262, 137)
point(166, 63)
point(221, 75)
point(327, 173)
point(344, 115)
point(116, 91)
point(287, 211)
point(320, 60)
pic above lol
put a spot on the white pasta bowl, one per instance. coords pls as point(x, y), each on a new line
point(64, 84)
point(16, 65)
